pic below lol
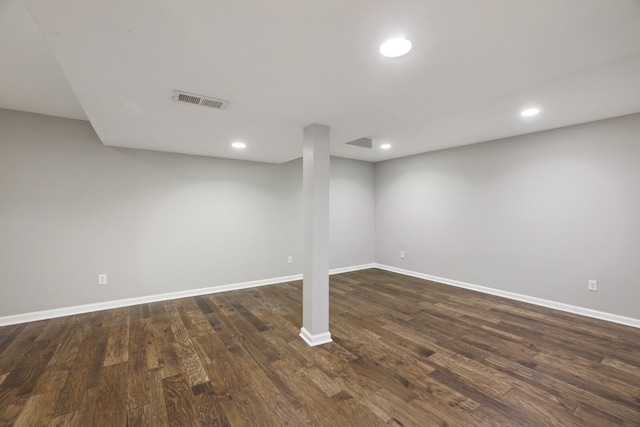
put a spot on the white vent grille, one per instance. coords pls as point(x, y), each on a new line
point(218, 104)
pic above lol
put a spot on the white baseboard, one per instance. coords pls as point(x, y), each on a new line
point(87, 308)
point(629, 321)
point(314, 340)
point(352, 268)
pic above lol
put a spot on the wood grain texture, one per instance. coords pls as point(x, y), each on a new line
point(406, 352)
point(179, 402)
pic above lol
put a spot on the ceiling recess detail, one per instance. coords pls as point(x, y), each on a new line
point(362, 142)
point(205, 101)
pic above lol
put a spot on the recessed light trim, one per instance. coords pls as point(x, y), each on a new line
point(530, 112)
point(395, 47)
point(385, 146)
point(239, 145)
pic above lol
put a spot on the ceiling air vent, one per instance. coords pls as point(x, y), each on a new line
point(218, 104)
point(362, 142)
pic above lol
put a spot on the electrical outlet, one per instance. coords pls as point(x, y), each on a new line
point(593, 285)
point(401, 254)
point(102, 279)
point(290, 259)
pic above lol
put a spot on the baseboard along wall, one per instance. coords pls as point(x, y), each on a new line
point(87, 308)
point(587, 312)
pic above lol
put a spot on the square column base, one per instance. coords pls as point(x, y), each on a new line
point(314, 340)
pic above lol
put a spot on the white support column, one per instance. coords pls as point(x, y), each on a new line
point(315, 200)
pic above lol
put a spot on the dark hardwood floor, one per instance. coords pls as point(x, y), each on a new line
point(406, 352)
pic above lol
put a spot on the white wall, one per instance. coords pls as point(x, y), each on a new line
point(538, 215)
point(71, 208)
point(352, 213)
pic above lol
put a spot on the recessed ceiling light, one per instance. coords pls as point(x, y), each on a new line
point(385, 146)
point(239, 145)
point(530, 112)
point(393, 48)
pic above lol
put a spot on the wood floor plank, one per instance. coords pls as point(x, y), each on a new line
point(67, 347)
point(138, 417)
point(591, 415)
point(151, 351)
point(11, 405)
point(567, 394)
point(137, 381)
point(288, 414)
point(9, 334)
point(28, 370)
point(588, 379)
point(401, 412)
point(157, 408)
point(190, 362)
point(540, 409)
point(253, 409)
point(406, 352)
point(117, 345)
point(51, 379)
point(112, 396)
point(207, 345)
point(73, 389)
point(65, 420)
point(206, 402)
point(622, 366)
point(21, 344)
point(163, 338)
point(85, 414)
point(226, 372)
point(38, 410)
point(53, 328)
point(137, 343)
point(95, 367)
point(179, 402)
point(195, 321)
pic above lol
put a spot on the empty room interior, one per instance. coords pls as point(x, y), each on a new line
point(331, 213)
